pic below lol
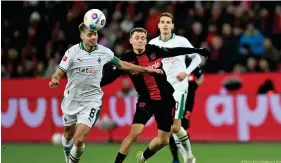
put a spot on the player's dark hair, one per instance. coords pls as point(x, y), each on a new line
point(82, 27)
point(138, 29)
point(166, 14)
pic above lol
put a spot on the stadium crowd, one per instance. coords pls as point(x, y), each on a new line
point(242, 36)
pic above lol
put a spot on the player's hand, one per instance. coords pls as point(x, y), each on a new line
point(53, 83)
point(187, 115)
point(205, 52)
point(181, 76)
point(154, 71)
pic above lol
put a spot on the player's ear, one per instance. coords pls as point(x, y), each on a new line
point(81, 36)
point(130, 40)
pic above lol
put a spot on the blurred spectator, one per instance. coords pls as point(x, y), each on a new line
point(216, 16)
point(229, 50)
point(196, 37)
point(127, 90)
point(228, 16)
point(212, 32)
point(214, 62)
point(271, 53)
point(263, 65)
point(239, 68)
point(251, 64)
point(254, 39)
point(52, 66)
point(152, 21)
point(39, 72)
point(276, 29)
point(39, 39)
point(127, 24)
point(4, 72)
point(264, 22)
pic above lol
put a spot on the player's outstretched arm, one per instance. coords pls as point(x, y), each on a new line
point(126, 66)
point(56, 77)
point(172, 52)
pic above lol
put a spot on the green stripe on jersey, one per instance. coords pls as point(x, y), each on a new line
point(97, 116)
point(115, 60)
point(181, 106)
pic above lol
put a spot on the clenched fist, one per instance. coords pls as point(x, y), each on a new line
point(53, 83)
point(181, 76)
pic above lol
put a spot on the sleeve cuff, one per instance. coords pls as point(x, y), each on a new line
point(115, 60)
point(62, 68)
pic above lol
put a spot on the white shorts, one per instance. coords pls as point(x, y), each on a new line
point(180, 98)
point(87, 114)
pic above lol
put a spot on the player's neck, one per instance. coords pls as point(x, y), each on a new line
point(138, 51)
point(166, 36)
point(89, 48)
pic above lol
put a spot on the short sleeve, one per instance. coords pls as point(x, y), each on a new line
point(66, 61)
point(110, 55)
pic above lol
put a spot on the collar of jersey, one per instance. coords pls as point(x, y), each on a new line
point(81, 45)
point(172, 36)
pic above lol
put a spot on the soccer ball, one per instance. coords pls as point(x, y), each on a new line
point(56, 138)
point(94, 19)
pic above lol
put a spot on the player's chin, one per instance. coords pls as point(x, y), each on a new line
point(93, 43)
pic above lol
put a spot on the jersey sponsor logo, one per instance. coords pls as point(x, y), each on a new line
point(155, 65)
point(65, 58)
point(86, 70)
point(91, 71)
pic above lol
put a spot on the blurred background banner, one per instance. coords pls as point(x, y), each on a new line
point(252, 113)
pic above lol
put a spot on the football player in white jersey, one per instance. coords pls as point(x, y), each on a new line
point(177, 73)
point(83, 64)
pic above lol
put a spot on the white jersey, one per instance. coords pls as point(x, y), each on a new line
point(174, 65)
point(84, 73)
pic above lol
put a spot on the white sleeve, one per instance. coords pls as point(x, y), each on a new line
point(66, 61)
point(195, 58)
point(110, 56)
point(151, 42)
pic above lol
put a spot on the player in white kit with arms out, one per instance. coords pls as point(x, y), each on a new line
point(83, 64)
point(177, 73)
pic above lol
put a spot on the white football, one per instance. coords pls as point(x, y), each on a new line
point(56, 138)
point(94, 19)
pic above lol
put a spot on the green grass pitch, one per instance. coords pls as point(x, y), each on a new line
point(105, 153)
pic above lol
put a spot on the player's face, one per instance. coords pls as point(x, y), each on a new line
point(138, 40)
point(89, 37)
point(165, 25)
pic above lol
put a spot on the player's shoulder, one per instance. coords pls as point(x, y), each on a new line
point(104, 49)
point(154, 40)
point(74, 49)
point(180, 38)
point(183, 41)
